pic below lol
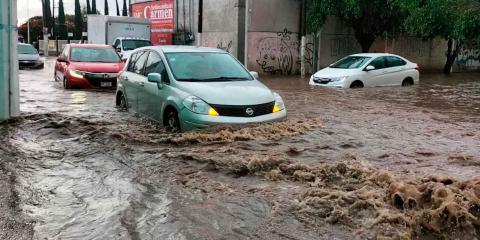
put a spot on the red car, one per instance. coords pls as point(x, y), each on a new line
point(88, 66)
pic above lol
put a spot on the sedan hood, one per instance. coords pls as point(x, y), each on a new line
point(335, 72)
point(97, 67)
point(229, 93)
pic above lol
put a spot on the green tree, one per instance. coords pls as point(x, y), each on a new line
point(124, 11)
point(118, 9)
point(89, 10)
point(78, 20)
point(457, 21)
point(47, 15)
point(105, 7)
point(368, 18)
point(62, 27)
point(94, 7)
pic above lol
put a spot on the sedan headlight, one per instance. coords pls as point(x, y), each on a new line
point(338, 79)
point(279, 105)
point(199, 106)
point(76, 73)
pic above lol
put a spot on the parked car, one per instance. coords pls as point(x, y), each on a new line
point(368, 70)
point(125, 45)
point(28, 56)
point(187, 88)
point(88, 66)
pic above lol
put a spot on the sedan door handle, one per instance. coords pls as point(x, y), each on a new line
point(141, 84)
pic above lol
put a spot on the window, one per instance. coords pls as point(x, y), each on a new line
point(138, 68)
point(351, 62)
point(117, 42)
point(134, 44)
point(379, 63)
point(26, 49)
point(131, 62)
point(206, 67)
point(85, 54)
point(155, 65)
point(64, 52)
point(395, 61)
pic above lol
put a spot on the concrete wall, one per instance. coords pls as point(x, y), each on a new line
point(9, 89)
point(273, 36)
point(220, 25)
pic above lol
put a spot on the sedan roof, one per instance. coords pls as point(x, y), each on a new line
point(372, 54)
point(77, 45)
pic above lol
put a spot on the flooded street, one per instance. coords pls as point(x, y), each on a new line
point(376, 163)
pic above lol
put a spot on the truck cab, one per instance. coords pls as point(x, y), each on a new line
point(125, 45)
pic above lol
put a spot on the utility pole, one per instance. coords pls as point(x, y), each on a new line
point(28, 21)
point(303, 32)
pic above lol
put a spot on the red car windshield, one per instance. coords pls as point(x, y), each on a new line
point(107, 55)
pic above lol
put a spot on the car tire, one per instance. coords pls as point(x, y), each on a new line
point(122, 102)
point(66, 85)
point(407, 82)
point(172, 122)
point(356, 84)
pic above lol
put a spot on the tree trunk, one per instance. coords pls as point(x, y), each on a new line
point(365, 40)
point(451, 56)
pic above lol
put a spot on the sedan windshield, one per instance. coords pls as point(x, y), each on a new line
point(26, 49)
point(206, 67)
point(107, 55)
point(134, 44)
point(351, 62)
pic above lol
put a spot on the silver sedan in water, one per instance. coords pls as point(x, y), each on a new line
point(185, 87)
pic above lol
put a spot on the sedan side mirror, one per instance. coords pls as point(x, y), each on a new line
point(61, 59)
point(118, 50)
point(254, 74)
point(155, 78)
point(369, 68)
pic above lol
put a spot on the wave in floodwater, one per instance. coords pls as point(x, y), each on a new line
point(101, 179)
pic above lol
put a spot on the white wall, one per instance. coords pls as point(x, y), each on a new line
point(9, 91)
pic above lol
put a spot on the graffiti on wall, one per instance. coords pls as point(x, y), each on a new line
point(225, 46)
point(280, 54)
point(468, 58)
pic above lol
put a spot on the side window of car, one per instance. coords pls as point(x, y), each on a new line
point(395, 62)
point(379, 63)
point(131, 62)
point(139, 66)
point(155, 65)
point(117, 43)
point(64, 52)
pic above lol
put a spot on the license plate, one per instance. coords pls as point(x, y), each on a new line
point(105, 84)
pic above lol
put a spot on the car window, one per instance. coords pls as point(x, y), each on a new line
point(131, 62)
point(395, 61)
point(206, 66)
point(379, 63)
point(155, 65)
point(351, 62)
point(64, 52)
point(26, 49)
point(138, 68)
point(131, 44)
point(94, 54)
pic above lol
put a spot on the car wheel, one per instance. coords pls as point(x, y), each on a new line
point(122, 102)
point(172, 122)
point(357, 84)
point(407, 82)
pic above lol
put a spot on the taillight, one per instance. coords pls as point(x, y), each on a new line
point(417, 67)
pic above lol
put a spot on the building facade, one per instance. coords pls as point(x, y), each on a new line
point(265, 35)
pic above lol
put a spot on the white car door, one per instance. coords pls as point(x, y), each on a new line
point(378, 76)
point(396, 71)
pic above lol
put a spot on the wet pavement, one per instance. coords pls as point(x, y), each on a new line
point(368, 163)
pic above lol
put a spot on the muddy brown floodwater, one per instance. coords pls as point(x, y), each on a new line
point(378, 163)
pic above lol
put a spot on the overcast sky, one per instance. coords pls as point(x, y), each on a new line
point(32, 8)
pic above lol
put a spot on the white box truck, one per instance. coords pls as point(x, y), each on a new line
point(106, 29)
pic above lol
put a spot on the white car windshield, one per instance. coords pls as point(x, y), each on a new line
point(206, 67)
point(26, 49)
point(351, 62)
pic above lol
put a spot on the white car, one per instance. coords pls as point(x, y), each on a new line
point(28, 56)
point(368, 70)
point(125, 45)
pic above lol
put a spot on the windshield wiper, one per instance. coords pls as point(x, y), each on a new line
point(220, 79)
